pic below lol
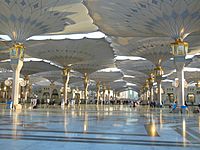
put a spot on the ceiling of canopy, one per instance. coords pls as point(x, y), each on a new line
point(153, 49)
point(22, 19)
point(94, 65)
point(146, 18)
point(5, 75)
point(189, 75)
point(106, 76)
point(117, 84)
point(195, 63)
point(139, 81)
point(31, 67)
point(67, 52)
point(4, 52)
point(137, 28)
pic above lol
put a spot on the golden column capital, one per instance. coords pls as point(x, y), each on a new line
point(17, 51)
point(66, 71)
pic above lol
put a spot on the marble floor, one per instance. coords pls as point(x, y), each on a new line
point(98, 128)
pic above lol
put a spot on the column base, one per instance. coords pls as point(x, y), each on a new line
point(184, 109)
point(17, 107)
point(181, 109)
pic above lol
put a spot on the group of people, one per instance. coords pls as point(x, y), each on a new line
point(35, 101)
point(134, 104)
point(186, 108)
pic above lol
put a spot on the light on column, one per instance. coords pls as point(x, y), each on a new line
point(198, 83)
point(158, 72)
point(146, 85)
point(17, 51)
point(151, 79)
point(179, 48)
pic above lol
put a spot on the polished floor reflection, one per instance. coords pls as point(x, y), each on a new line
point(98, 128)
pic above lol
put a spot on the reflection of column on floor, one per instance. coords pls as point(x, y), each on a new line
point(85, 125)
point(98, 114)
point(184, 131)
point(65, 121)
point(151, 127)
point(161, 118)
point(15, 123)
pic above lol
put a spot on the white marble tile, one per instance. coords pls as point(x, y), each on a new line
point(108, 127)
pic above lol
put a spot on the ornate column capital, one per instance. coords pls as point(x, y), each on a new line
point(65, 74)
point(17, 56)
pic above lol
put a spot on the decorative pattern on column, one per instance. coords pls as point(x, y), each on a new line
point(86, 80)
point(16, 56)
point(66, 73)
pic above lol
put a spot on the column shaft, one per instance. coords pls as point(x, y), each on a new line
point(180, 90)
point(15, 86)
point(26, 88)
point(98, 91)
point(151, 94)
point(159, 92)
point(86, 80)
point(66, 73)
point(147, 97)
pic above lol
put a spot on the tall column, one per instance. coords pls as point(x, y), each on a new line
point(108, 93)
point(180, 88)
point(98, 91)
point(114, 96)
point(151, 81)
point(51, 87)
point(151, 94)
point(104, 91)
point(197, 95)
point(16, 56)
point(180, 50)
point(159, 92)
point(147, 95)
point(26, 79)
point(86, 80)
point(66, 73)
point(158, 72)
point(16, 75)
